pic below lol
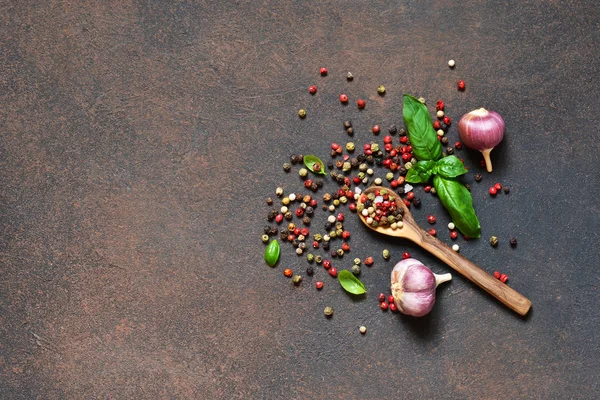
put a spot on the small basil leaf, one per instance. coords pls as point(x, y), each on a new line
point(450, 167)
point(350, 283)
point(310, 162)
point(420, 172)
point(423, 139)
point(457, 200)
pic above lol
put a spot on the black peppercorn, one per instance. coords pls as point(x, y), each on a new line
point(309, 211)
point(326, 246)
point(513, 242)
point(283, 236)
point(314, 187)
point(468, 187)
point(333, 254)
point(324, 207)
point(340, 179)
point(393, 130)
point(400, 190)
point(310, 270)
point(295, 243)
point(328, 226)
point(333, 153)
point(478, 177)
point(360, 158)
point(339, 163)
point(402, 132)
point(300, 158)
point(273, 231)
point(402, 171)
point(354, 162)
point(347, 124)
point(306, 220)
point(450, 150)
point(416, 202)
point(330, 164)
point(444, 140)
point(271, 216)
point(266, 229)
point(288, 215)
point(443, 127)
point(506, 190)
point(350, 131)
point(294, 159)
point(319, 182)
point(369, 159)
point(269, 201)
point(396, 159)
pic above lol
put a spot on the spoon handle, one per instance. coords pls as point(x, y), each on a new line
point(507, 295)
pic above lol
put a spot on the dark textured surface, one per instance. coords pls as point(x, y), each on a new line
point(139, 140)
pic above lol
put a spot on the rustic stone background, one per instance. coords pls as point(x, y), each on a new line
point(140, 138)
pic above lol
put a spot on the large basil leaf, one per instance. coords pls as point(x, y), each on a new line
point(458, 202)
point(420, 172)
point(424, 141)
point(449, 167)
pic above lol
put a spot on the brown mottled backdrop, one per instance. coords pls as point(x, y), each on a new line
point(138, 140)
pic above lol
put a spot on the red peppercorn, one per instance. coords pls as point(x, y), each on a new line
point(376, 129)
point(326, 264)
point(410, 196)
point(304, 232)
point(390, 299)
point(498, 186)
point(343, 98)
point(288, 272)
point(383, 305)
point(427, 188)
point(393, 153)
point(315, 244)
point(313, 203)
point(297, 231)
point(497, 275)
point(458, 145)
point(404, 139)
point(312, 89)
point(308, 183)
point(406, 157)
point(345, 235)
point(345, 247)
point(406, 203)
point(381, 297)
point(361, 103)
point(439, 105)
point(352, 207)
point(369, 261)
point(431, 219)
point(388, 147)
point(393, 307)
point(453, 235)
point(447, 121)
point(503, 278)
point(323, 71)
point(291, 237)
point(432, 231)
point(279, 218)
point(394, 183)
point(436, 125)
point(333, 271)
point(387, 138)
point(461, 85)
point(493, 191)
point(405, 255)
point(319, 285)
point(335, 146)
point(340, 217)
point(299, 212)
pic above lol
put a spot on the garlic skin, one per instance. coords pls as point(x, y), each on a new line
point(413, 287)
point(482, 130)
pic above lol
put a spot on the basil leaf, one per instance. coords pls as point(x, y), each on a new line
point(420, 172)
point(310, 162)
point(424, 141)
point(350, 283)
point(272, 253)
point(458, 202)
point(450, 167)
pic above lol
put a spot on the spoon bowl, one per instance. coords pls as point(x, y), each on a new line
point(410, 230)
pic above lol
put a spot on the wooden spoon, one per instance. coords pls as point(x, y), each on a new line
point(410, 230)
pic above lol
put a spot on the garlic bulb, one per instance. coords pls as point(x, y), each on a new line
point(413, 287)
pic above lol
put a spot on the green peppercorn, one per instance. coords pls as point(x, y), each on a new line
point(318, 237)
point(318, 259)
point(328, 311)
point(494, 241)
point(340, 252)
point(422, 100)
point(302, 113)
point(279, 191)
point(386, 254)
point(381, 90)
point(303, 172)
point(408, 165)
point(287, 167)
point(356, 261)
point(433, 191)
point(310, 257)
point(355, 269)
point(389, 176)
point(296, 280)
point(350, 146)
point(343, 199)
point(265, 238)
point(346, 166)
point(374, 147)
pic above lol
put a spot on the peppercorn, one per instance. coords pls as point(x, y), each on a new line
point(416, 202)
point(453, 235)
point(333, 272)
point(503, 278)
point(362, 329)
point(386, 254)
point(375, 129)
point(326, 246)
point(494, 241)
point(310, 258)
point(273, 231)
point(498, 186)
point(306, 220)
point(402, 131)
point(497, 274)
point(312, 89)
point(478, 177)
point(381, 297)
point(323, 71)
point(302, 113)
point(392, 130)
point(493, 191)
point(279, 191)
point(349, 76)
point(513, 242)
point(506, 189)
point(350, 131)
point(431, 219)
point(432, 231)
point(343, 98)
point(405, 255)
point(328, 311)
point(361, 104)
point(296, 280)
point(383, 306)
point(310, 270)
point(318, 259)
point(449, 150)
point(455, 247)
point(369, 261)
point(340, 252)
point(288, 272)
point(461, 85)
point(355, 269)
point(303, 172)
point(265, 238)
point(288, 215)
point(381, 90)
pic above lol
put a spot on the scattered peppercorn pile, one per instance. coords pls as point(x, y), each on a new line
point(291, 215)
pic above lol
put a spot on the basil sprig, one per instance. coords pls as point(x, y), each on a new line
point(454, 196)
